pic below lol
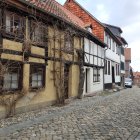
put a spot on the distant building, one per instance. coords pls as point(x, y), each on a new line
point(136, 80)
point(117, 31)
point(109, 35)
point(127, 53)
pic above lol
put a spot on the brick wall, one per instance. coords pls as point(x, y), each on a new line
point(98, 29)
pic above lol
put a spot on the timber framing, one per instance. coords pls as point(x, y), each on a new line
point(32, 10)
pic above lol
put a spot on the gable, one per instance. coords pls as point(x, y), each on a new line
point(86, 17)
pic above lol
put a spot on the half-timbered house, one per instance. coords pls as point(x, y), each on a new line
point(41, 54)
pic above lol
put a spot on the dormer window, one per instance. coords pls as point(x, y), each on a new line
point(88, 27)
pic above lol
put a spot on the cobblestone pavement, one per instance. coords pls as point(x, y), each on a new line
point(112, 117)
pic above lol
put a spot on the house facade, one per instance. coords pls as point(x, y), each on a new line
point(128, 69)
point(112, 72)
point(93, 66)
point(136, 80)
point(39, 63)
point(40, 59)
point(112, 62)
point(117, 31)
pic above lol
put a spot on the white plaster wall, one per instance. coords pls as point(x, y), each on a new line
point(117, 79)
point(122, 58)
point(112, 55)
point(122, 72)
point(108, 78)
point(93, 87)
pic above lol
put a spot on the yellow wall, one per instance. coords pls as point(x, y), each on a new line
point(74, 80)
point(36, 60)
point(48, 93)
point(12, 45)
point(11, 57)
point(37, 50)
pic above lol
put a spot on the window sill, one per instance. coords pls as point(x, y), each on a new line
point(36, 89)
point(9, 92)
point(95, 83)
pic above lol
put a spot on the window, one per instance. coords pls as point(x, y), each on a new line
point(38, 32)
point(122, 50)
point(105, 38)
point(105, 66)
point(37, 77)
point(109, 42)
point(89, 29)
point(11, 79)
point(122, 65)
point(69, 41)
point(15, 24)
point(117, 50)
point(108, 67)
point(114, 45)
point(116, 69)
point(96, 75)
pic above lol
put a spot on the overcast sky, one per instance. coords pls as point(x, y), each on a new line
point(122, 13)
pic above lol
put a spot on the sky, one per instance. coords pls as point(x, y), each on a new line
point(122, 13)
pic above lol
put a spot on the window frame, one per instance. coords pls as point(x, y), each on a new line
point(38, 28)
point(109, 72)
point(33, 69)
point(122, 66)
point(118, 69)
point(68, 40)
point(122, 50)
point(106, 67)
point(12, 30)
point(13, 68)
point(97, 75)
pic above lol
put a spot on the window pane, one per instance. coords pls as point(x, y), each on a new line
point(8, 18)
point(14, 76)
point(40, 83)
point(34, 84)
point(40, 77)
point(7, 77)
point(37, 77)
point(6, 85)
point(34, 77)
point(14, 85)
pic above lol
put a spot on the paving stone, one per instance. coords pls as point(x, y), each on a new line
point(112, 117)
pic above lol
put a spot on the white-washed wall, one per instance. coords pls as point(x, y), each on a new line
point(112, 56)
point(93, 87)
point(96, 51)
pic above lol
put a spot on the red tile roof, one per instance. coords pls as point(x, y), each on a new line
point(57, 9)
point(136, 74)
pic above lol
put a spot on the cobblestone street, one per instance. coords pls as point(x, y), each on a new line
point(112, 117)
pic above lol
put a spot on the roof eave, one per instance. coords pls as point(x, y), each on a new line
point(69, 23)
